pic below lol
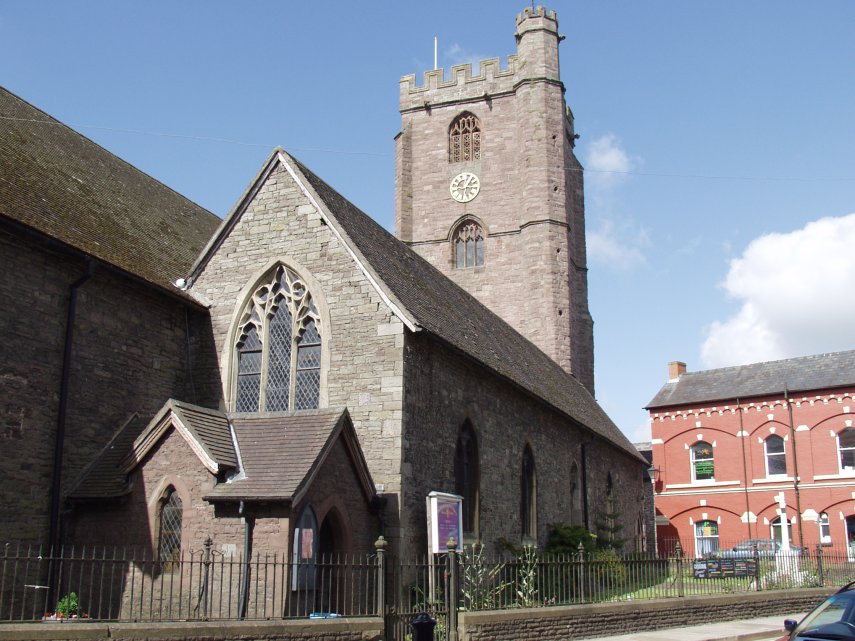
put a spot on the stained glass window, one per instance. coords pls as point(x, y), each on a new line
point(464, 138)
point(278, 351)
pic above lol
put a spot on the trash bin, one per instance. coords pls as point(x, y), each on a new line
point(423, 626)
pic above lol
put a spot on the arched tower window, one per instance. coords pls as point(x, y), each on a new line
point(467, 477)
point(464, 138)
point(776, 458)
point(528, 495)
point(703, 467)
point(169, 529)
point(278, 347)
point(468, 241)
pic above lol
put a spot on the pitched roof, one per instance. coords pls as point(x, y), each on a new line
point(803, 374)
point(280, 453)
point(433, 302)
point(102, 477)
point(63, 185)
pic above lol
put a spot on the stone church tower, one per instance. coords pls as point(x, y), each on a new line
point(488, 189)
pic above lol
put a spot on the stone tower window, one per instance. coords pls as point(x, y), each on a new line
point(468, 245)
point(466, 477)
point(464, 138)
point(169, 530)
point(528, 496)
point(278, 348)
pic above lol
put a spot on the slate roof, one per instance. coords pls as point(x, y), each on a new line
point(279, 452)
point(803, 374)
point(450, 313)
point(102, 477)
point(210, 428)
point(63, 185)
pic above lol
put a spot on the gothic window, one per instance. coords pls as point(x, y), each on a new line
point(304, 556)
point(169, 530)
point(776, 460)
point(575, 495)
point(466, 477)
point(468, 245)
point(278, 347)
point(528, 496)
point(846, 448)
point(464, 138)
point(703, 467)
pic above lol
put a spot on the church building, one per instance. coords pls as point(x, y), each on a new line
point(169, 377)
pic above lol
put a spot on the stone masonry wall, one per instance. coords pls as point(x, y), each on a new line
point(363, 341)
point(444, 390)
point(129, 355)
point(530, 205)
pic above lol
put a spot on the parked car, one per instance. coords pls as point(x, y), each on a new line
point(745, 549)
point(834, 618)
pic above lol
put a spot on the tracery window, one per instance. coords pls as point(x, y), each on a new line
point(468, 245)
point(846, 448)
point(466, 477)
point(169, 530)
point(528, 495)
point(703, 466)
point(776, 459)
point(464, 138)
point(278, 347)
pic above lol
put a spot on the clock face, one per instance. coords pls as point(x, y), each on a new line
point(464, 187)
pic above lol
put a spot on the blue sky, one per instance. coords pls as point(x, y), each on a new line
point(717, 137)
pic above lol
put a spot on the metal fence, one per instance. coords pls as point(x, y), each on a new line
point(131, 584)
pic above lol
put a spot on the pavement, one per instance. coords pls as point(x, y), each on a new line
point(759, 629)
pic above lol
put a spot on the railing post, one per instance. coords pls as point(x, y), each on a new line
point(452, 598)
point(380, 545)
point(819, 569)
point(757, 568)
point(206, 561)
point(580, 551)
point(678, 552)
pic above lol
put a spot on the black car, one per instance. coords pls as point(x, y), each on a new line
point(834, 619)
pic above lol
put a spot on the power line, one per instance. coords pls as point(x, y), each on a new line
point(230, 141)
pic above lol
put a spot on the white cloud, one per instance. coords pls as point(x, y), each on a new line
point(618, 247)
point(606, 164)
point(796, 293)
point(454, 54)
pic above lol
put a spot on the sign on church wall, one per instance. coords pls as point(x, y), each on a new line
point(445, 521)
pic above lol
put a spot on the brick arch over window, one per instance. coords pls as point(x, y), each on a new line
point(277, 362)
point(467, 481)
point(467, 244)
point(464, 138)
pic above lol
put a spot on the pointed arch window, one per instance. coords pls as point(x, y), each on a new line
point(468, 245)
point(169, 529)
point(575, 495)
point(776, 458)
point(464, 138)
point(466, 478)
point(278, 347)
point(528, 496)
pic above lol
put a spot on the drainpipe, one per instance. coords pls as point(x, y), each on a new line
point(56, 489)
point(795, 467)
point(742, 438)
point(243, 601)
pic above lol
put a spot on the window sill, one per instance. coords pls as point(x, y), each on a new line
point(773, 479)
point(845, 474)
point(697, 484)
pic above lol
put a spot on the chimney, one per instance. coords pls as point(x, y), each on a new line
point(675, 370)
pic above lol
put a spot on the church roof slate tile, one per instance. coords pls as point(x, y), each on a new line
point(61, 184)
point(450, 313)
point(802, 374)
point(102, 477)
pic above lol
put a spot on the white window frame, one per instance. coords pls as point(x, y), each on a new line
point(841, 450)
point(693, 461)
point(824, 524)
point(767, 454)
point(701, 550)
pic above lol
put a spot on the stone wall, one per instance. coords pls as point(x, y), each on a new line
point(443, 391)
point(130, 354)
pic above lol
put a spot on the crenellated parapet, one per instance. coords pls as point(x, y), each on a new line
point(460, 84)
point(542, 13)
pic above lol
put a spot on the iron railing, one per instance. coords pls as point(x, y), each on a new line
point(132, 584)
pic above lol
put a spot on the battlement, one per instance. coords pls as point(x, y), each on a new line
point(490, 72)
point(537, 12)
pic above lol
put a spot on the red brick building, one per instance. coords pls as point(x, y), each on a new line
point(728, 442)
